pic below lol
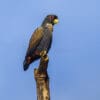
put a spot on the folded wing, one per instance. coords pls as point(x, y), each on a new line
point(33, 43)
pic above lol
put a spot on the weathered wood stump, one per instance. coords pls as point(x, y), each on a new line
point(42, 79)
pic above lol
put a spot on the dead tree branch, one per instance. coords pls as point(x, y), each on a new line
point(42, 79)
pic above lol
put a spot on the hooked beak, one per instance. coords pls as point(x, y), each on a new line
point(55, 21)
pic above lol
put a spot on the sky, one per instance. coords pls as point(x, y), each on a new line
point(74, 66)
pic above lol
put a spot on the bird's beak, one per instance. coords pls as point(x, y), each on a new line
point(56, 21)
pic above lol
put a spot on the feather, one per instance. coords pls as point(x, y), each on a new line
point(35, 40)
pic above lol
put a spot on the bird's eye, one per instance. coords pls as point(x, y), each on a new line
point(51, 18)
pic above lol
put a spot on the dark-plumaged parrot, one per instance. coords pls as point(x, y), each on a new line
point(40, 41)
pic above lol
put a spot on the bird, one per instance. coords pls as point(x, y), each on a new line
point(40, 41)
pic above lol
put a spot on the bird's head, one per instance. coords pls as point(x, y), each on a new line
point(52, 19)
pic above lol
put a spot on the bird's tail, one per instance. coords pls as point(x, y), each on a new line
point(25, 65)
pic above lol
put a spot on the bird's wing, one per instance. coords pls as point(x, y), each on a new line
point(35, 40)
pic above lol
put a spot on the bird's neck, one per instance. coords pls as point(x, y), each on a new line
point(49, 26)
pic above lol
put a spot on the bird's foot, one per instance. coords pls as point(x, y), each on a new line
point(43, 53)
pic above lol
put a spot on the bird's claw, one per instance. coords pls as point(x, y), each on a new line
point(43, 53)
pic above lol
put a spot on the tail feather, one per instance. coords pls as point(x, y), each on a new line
point(25, 65)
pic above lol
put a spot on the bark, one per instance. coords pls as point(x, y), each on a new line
point(42, 79)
